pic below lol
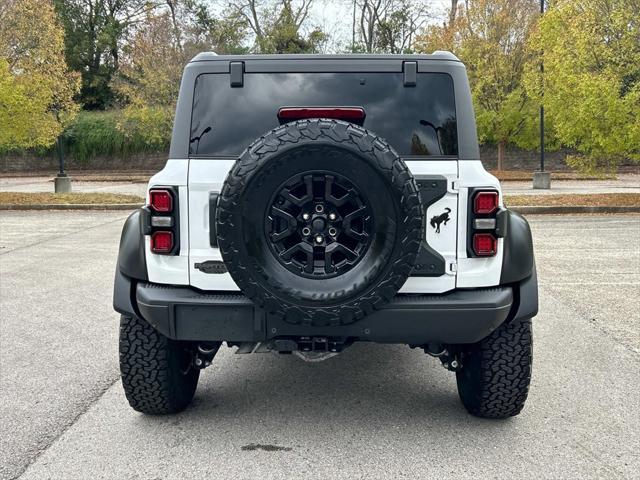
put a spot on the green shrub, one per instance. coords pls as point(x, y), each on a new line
point(93, 134)
point(146, 128)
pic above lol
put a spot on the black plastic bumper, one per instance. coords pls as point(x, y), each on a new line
point(462, 316)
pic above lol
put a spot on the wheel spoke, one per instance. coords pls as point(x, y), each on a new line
point(300, 247)
point(308, 195)
point(355, 214)
point(348, 227)
point(331, 250)
point(359, 236)
point(291, 224)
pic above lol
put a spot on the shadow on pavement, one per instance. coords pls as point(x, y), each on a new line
point(365, 389)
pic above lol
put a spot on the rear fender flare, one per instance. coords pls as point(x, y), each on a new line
point(131, 256)
point(518, 260)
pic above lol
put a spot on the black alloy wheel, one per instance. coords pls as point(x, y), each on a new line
point(319, 224)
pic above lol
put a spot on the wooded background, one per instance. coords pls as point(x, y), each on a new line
point(103, 75)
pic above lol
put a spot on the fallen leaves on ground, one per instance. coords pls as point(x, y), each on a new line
point(575, 199)
point(47, 198)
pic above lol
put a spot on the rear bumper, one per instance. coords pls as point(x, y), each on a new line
point(461, 316)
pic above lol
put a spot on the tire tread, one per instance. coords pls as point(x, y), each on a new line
point(150, 372)
point(498, 372)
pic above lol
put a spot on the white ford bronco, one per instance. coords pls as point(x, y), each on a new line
point(310, 202)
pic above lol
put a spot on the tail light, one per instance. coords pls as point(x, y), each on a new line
point(485, 203)
point(484, 225)
point(485, 244)
point(162, 242)
point(349, 114)
point(161, 200)
point(160, 221)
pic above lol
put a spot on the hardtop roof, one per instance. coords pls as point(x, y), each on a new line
point(437, 55)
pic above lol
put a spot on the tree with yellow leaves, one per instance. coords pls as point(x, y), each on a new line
point(36, 87)
point(591, 52)
point(491, 37)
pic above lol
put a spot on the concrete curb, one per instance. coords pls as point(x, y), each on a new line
point(556, 210)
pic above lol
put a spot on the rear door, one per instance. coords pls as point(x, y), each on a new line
point(417, 118)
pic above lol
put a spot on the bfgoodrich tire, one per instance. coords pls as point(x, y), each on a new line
point(157, 374)
point(319, 222)
point(495, 375)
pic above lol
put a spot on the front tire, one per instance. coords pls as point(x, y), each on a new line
point(157, 374)
point(495, 375)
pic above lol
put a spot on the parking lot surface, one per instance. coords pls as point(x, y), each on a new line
point(372, 412)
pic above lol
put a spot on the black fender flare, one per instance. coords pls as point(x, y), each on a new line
point(518, 260)
point(526, 294)
point(131, 256)
point(131, 266)
point(519, 265)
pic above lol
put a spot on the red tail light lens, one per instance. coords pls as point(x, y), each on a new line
point(162, 242)
point(485, 203)
point(340, 113)
point(161, 200)
point(485, 244)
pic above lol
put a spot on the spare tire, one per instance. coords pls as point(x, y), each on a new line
point(319, 222)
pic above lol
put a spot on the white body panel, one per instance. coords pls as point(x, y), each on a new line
point(205, 176)
point(197, 178)
point(475, 272)
point(164, 268)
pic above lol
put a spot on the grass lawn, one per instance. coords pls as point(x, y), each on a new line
point(574, 199)
point(38, 198)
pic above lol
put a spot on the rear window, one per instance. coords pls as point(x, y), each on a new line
point(418, 120)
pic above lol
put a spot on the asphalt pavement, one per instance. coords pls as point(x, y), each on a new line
point(372, 412)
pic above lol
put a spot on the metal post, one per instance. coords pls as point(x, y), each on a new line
point(61, 183)
point(541, 103)
point(541, 179)
point(61, 172)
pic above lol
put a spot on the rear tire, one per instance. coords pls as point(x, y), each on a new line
point(495, 375)
point(307, 169)
point(157, 374)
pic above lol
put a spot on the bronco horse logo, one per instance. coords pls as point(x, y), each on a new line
point(437, 220)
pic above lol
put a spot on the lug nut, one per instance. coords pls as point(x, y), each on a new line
point(332, 232)
point(306, 216)
point(319, 239)
point(332, 216)
point(306, 231)
point(319, 208)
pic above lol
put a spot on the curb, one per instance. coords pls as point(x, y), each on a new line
point(531, 210)
point(71, 206)
point(567, 209)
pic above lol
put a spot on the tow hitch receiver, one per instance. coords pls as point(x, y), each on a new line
point(296, 344)
point(320, 344)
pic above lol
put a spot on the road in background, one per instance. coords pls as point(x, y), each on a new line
point(373, 411)
point(45, 184)
point(626, 183)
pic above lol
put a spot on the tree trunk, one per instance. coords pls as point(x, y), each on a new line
point(353, 28)
point(500, 154)
point(453, 12)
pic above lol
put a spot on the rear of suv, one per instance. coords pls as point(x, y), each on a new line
point(311, 202)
